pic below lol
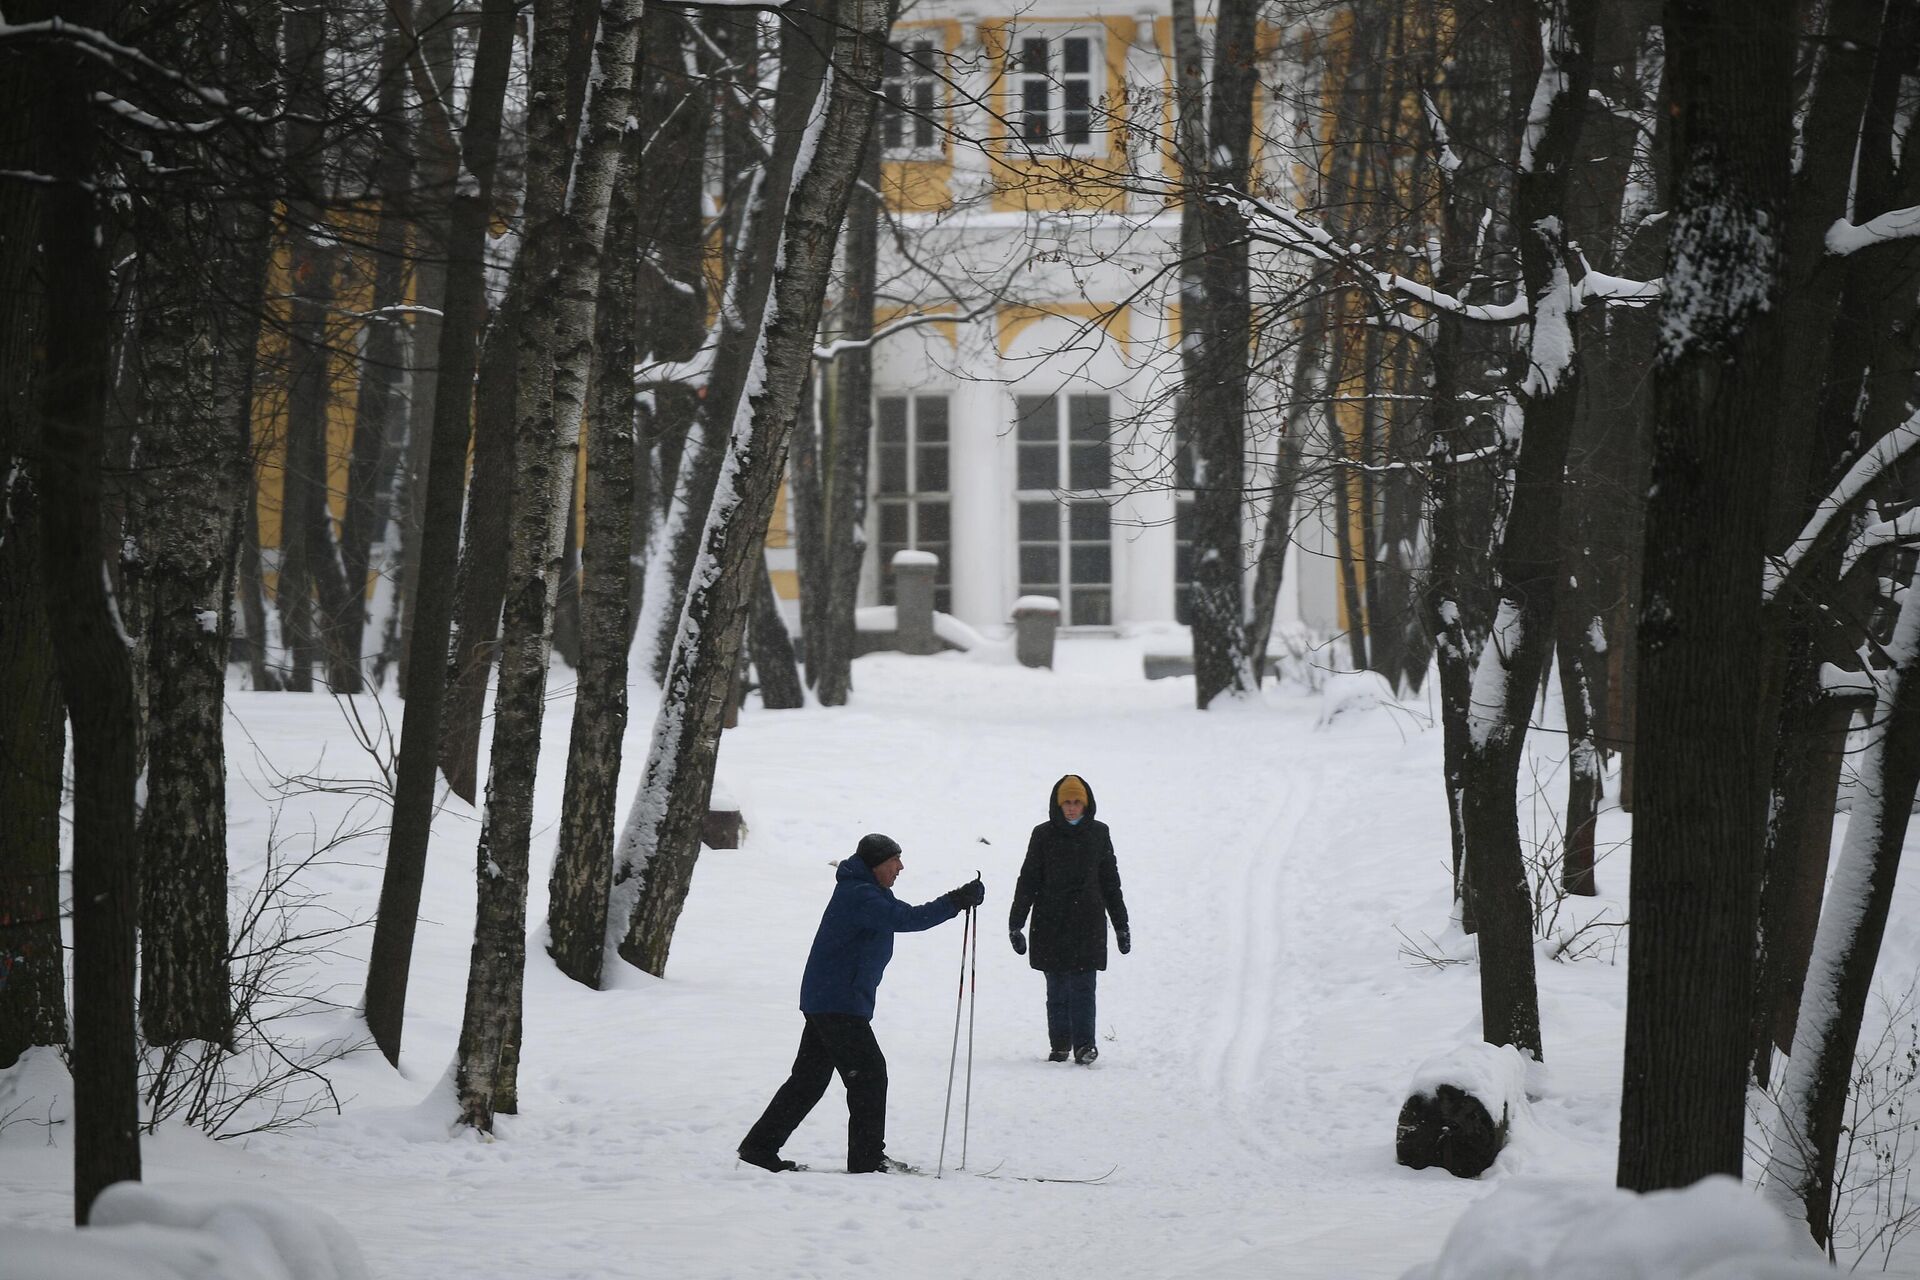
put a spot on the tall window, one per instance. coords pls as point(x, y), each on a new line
point(912, 493)
point(1054, 78)
point(1066, 529)
point(1183, 472)
point(912, 88)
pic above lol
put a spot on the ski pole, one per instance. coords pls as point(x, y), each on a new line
point(953, 1057)
point(973, 1003)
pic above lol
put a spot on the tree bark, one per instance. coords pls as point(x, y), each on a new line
point(399, 912)
point(1216, 328)
point(1800, 1165)
point(844, 491)
point(661, 843)
point(546, 445)
point(1701, 775)
point(583, 859)
point(772, 649)
point(95, 671)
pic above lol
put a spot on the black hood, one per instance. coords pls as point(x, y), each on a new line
point(1058, 818)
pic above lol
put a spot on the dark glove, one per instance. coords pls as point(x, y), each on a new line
point(970, 894)
point(1124, 939)
point(1019, 941)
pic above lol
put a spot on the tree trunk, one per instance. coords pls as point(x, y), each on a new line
point(392, 954)
point(1701, 775)
point(583, 859)
point(844, 496)
point(1216, 328)
point(1579, 660)
point(661, 842)
point(32, 717)
point(754, 240)
point(1514, 657)
point(480, 587)
point(95, 672)
point(1800, 1165)
point(772, 650)
point(546, 445)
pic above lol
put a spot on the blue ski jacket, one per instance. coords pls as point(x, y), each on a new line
point(854, 942)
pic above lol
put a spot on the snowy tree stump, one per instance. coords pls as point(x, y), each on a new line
point(1036, 619)
point(913, 574)
point(1460, 1109)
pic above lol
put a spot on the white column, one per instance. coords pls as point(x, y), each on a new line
point(981, 594)
point(1143, 519)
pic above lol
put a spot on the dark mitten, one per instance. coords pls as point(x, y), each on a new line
point(1124, 939)
point(1019, 941)
point(970, 894)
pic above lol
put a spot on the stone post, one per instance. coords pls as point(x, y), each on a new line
point(1035, 620)
point(913, 573)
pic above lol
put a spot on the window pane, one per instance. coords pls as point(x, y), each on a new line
point(1089, 466)
point(1092, 565)
point(1092, 607)
point(930, 418)
point(893, 524)
point(1087, 521)
point(1039, 466)
point(1183, 458)
point(890, 127)
point(1076, 128)
point(1183, 521)
point(1087, 417)
point(893, 419)
point(933, 526)
point(1033, 56)
point(1036, 419)
point(1033, 98)
point(893, 468)
point(896, 64)
point(1039, 522)
point(930, 468)
point(1079, 55)
point(1041, 566)
point(923, 127)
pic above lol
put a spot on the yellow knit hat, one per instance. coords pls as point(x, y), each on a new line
point(1070, 788)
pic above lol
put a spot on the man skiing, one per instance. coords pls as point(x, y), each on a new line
point(850, 952)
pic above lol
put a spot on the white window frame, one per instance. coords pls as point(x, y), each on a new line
point(912, 496)
point(1062, 500)
point(1057, 86)
point(914, 61)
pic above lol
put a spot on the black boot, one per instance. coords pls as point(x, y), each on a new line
point(768, 1160)
point(888, 1165)
point(1058, 1055)
point(1085, 1054)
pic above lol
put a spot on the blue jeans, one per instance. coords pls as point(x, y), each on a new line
point(1070, 1009)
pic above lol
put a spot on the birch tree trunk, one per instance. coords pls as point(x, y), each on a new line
point(1800, 1164)
point(1701, 774)
point(1215, 326)
point(583, 859)
point(546, 444)
point(96, 676)
point(392, 953)
point(661, 842)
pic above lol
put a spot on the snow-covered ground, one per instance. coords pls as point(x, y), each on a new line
point(1255, 1047)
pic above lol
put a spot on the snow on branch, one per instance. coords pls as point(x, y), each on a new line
point(1286, 228)
point(1869, 467)
point(1844, 238)
point(1904, 527)
point(838, 345)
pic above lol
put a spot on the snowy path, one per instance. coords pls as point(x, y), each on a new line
point(1253, 1046)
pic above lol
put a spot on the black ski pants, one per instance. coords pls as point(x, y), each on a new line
point(832, 1042)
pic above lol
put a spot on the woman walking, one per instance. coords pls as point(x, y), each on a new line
point(1070, 882)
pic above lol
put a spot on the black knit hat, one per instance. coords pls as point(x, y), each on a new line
point(875, 849)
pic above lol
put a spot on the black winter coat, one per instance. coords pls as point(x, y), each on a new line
point(1071, 884)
